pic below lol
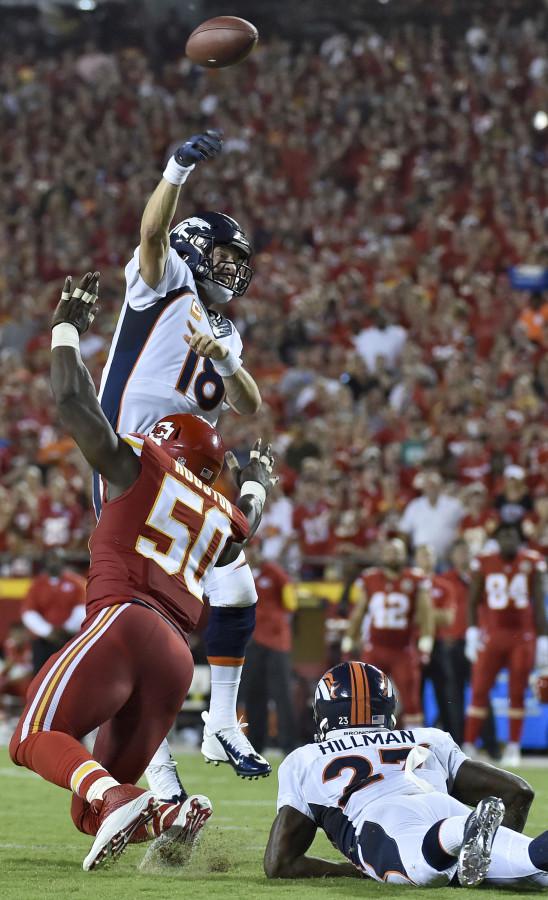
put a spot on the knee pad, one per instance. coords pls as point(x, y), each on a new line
point(433, 852)
point(228, 632)
point(232, 585)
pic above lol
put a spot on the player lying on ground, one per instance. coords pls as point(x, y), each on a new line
point(174, 351)
point(127, 672)
point(394, 802)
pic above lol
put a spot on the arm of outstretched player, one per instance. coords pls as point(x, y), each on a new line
point(74, 391)
point(353, 630)
point(241, 390)
point(254, 481)
point(473, 638)
point(476, 780)
point(291, 835)
point(425, 620)
point(161, 206)
point(539, 609)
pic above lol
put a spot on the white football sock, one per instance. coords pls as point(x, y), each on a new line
point(99, 787)
point(225, 681)
point(161, 773)
point(451, 834)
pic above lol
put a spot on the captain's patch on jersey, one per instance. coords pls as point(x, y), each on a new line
point(195, 310)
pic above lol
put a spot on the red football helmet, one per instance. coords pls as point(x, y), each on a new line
point(192, 441)
point(540, 686)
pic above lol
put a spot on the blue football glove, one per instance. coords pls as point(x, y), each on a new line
point(199, 147)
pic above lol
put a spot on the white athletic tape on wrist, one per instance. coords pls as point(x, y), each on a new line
point(254, 489)
point(65, 335)
point(227, 366)
point(266, 462)
point(176, 174)
point(425, 643)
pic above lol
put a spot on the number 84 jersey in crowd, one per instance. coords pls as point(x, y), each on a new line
point(336, 781)
point(155, 543)
point(151, 372)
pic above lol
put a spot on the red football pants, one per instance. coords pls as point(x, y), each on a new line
point(127, 673)
point(503, 649)
point(402, 665)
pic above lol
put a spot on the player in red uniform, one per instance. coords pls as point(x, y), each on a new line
point(506, 598)
point(398, 606)
point(128, 670)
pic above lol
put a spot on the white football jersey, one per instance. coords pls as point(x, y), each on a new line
point(150, 370)
point(335, 781)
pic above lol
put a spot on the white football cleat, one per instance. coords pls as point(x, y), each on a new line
point(174, 846)
point(511, 756)
point(125, 810)
point(470, 750)
point(479, 833)
point(230, 745)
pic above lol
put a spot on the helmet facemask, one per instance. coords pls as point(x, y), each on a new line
point(196, 240)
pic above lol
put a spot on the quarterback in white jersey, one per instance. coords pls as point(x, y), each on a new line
point(394, 802)
point(172, 353)
point(149, 366)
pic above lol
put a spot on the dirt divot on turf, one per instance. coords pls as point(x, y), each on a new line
point(214, 853)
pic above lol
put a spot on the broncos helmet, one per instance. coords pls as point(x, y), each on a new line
point(195, 239)
point(353, 695)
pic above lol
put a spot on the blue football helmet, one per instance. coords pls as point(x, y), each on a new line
point(353, 695)
point(195, 239)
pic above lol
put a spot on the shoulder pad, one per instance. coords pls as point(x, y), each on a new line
point(221, 327)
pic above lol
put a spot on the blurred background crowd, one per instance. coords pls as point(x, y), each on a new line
point(390, 177)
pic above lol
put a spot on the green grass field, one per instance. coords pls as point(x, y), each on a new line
point(41, 852)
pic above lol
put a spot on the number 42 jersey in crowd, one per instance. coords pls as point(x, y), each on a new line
point(338, 782)
point(156, 542)
point(150, 371)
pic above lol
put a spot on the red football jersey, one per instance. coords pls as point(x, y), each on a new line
point(157, 540)
point(392, 603)
point(507, 592)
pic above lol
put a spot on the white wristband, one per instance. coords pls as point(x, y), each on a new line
point(65, 335)
point(254, 489)
point(347, 644)
point(176, 174)
point(227, 366)
point(425, 644)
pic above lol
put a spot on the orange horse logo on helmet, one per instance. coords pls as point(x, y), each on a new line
point(331, 685)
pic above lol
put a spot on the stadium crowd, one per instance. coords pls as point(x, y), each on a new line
point(388, 181)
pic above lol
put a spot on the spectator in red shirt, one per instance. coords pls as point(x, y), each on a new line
point(53, 609)
point(312, 522)
point(479, 520)
point(267, 670)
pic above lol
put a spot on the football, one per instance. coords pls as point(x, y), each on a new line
point(223, 41)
